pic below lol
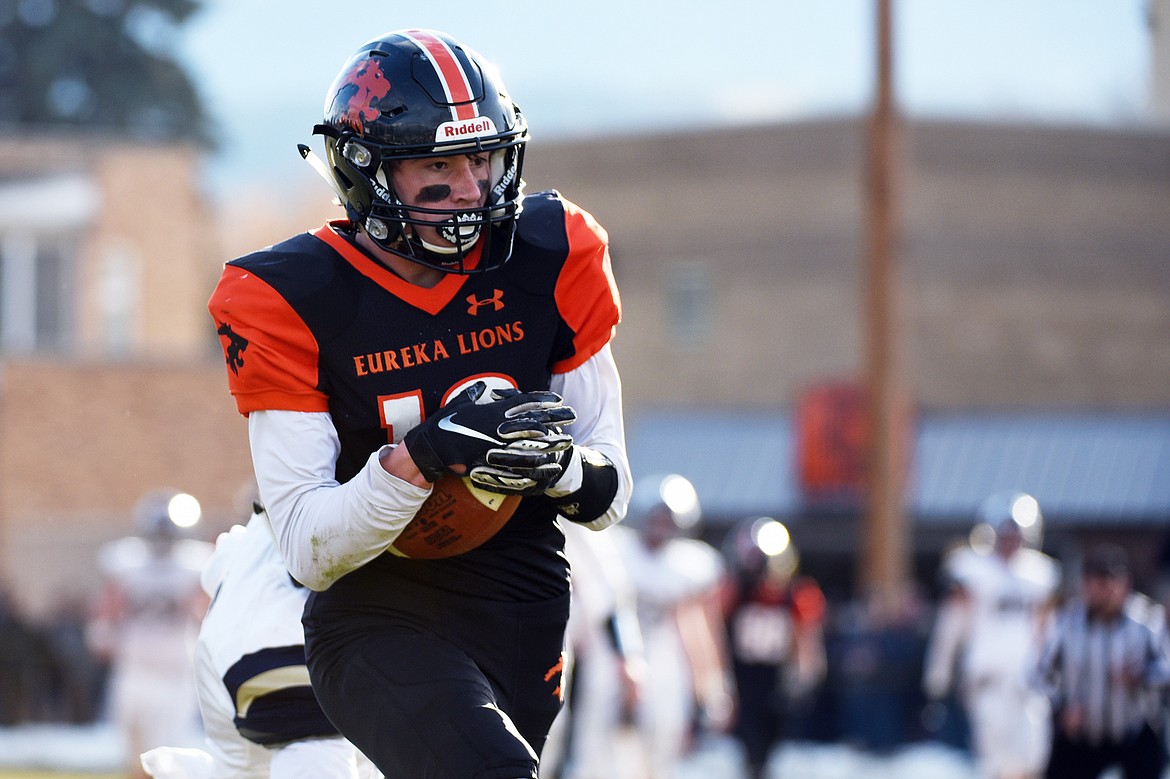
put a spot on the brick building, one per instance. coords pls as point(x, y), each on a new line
point(110, 378)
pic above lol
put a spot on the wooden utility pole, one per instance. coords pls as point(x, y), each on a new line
point(885, 549)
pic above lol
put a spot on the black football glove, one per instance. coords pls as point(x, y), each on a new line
point(533, 460)
point(475, 421)
point(525, 467)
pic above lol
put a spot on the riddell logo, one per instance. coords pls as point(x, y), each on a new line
point(476, 126)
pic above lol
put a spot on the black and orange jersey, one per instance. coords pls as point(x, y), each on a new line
point(764, 616)
point(315, 324)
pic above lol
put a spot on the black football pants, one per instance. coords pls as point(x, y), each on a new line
point(467, 690)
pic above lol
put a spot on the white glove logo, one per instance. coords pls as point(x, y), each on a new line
point(451, 426)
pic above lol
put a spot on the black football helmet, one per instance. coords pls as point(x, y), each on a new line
point(414, 94)
point(761, 546)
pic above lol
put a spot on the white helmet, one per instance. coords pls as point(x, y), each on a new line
point(164, 514)
point(672, 494)
point(1012, 513)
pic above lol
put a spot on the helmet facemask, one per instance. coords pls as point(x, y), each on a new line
point(364, 174)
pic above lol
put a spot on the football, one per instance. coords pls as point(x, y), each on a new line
point(456, 518)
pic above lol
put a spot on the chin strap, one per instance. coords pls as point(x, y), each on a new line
point(433, 248)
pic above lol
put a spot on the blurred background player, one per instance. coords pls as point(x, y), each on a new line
point(260, 715)
point(990, 628)
point(1107, 670)
point(591, 738)
point(775, 635)
point(676, 579)
point(146, 621)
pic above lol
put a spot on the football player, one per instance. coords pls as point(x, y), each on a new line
point(990, 629)
point(774, 619)
point(448, 323)
point(607, 664)
point(676, 579)
point(146, 621)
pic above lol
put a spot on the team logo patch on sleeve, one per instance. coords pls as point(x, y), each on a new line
point(234, 346)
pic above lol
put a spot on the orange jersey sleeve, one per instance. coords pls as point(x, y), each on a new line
point(586, 293)
point(271, 355)
point(808, 602)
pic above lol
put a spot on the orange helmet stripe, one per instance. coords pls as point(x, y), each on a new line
point(450, 72)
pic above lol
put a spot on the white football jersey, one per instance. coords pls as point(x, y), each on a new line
point(246, 650)
point(1006, 601)
point(255, 602)
point(158, 596)
point(680, 569)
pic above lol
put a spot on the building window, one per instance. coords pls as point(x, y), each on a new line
point(120, 297)
point(39, 250)
point(36, 293)
point(689, 303)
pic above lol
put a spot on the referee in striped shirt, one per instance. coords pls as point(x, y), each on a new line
point(1106, 667)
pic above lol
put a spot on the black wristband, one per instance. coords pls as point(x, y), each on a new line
point(429, 464)
point(599, 485)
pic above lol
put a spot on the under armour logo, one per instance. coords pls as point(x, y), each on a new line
point(496, 301)
point(233, 350)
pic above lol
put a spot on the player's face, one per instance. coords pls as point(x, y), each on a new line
point(459, 183)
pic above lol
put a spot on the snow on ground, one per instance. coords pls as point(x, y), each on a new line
point(719, 759)
point(98, 748)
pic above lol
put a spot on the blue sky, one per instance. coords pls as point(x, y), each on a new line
point(605, 66)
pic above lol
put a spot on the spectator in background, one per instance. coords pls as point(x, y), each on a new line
point(676, 581)
point(78, 676)
point(47, 673)
point(18, 644)
point(775, 636)
point(990, 628)
point(146, 622)
point(1106, 669)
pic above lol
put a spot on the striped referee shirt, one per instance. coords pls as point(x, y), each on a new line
point(1086, 662)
